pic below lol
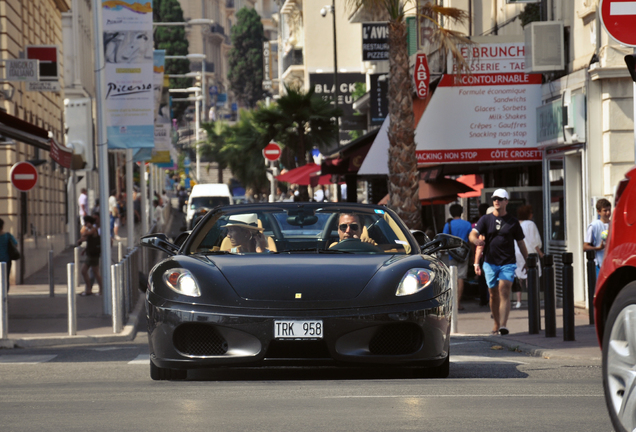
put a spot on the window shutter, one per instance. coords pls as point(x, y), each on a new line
point(411, 34)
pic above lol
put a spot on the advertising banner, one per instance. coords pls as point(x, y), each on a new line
point(489, 115)
point(379, 98)
point(323, 86)
point(128, 55)
point(163, 124)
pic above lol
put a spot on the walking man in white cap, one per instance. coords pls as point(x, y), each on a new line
point(500, 230)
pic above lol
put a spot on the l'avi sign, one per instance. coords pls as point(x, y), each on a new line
point(421, 75)
point(375, 41)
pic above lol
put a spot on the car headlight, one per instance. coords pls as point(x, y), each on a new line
point(181, 281)
point(414, 281)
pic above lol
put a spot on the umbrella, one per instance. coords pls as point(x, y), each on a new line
point(474, 181)
point(442, 191)
point(305, 175)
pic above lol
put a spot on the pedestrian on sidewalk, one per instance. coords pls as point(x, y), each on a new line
point(5, 238)
point(500, 230)
point(533, 244)
point(90, 235)
point(113, 209)
point(157, 215)
point(460, 228)
point(484, 296)
point(596, 233)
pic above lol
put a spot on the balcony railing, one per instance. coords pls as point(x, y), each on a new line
point(293, 58)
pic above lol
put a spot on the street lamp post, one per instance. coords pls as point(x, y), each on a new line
point(197, 122)
point(324, 12)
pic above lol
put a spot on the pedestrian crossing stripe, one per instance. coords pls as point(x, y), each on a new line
point(25, 358)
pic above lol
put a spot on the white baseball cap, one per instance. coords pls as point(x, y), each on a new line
point(501, 193)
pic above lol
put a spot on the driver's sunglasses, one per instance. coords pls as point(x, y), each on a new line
point(353, 226)
point(498, 199)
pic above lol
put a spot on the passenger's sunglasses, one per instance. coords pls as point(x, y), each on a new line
point(353, 226)
point(498, 199)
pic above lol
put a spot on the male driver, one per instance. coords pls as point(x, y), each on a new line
point(500, 230)
point(349, 227)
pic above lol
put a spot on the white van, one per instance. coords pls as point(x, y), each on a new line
point(206, 196)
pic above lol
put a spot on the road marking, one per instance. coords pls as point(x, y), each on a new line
point(26, 359)
point(480, 359)
point(623, 8)
point(111, 348)
point(431, 396)
point(143, 359)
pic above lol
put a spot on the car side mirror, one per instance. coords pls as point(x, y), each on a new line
point(160, 242)
point(442, 242)
point(421, 237)
point(181, 238)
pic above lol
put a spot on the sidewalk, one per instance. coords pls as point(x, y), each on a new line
point(36, 319)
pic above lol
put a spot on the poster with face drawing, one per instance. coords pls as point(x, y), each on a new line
point(128, 70)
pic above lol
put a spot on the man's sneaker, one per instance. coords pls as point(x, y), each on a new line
point(517, 305)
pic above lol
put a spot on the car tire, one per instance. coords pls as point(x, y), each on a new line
point(441, 371)
point(160, 374)
point(619, 360)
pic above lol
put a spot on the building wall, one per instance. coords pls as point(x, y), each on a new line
point(23, 23)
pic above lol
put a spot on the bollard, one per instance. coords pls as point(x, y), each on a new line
point(549, 294)
point(77, 252)
point(116, 296)
point(591, 282)
point(72, 316)
point(4, 310)
point(120, 251)
point(534, 305)
point(568, 298)
point(51, 275)
point(454, 288)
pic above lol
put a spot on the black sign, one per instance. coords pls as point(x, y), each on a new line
point(322, 83)
point(379, 100)
point(375, 41)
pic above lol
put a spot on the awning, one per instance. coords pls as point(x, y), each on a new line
point(348, 159)
point(442, 191)
point(305, 175)
point(20, 130)
point(474, 181)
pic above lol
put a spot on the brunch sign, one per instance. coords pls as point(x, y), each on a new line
point(128, 55)
point(488, 114)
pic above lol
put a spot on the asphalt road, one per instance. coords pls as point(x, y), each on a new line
point(92, 388)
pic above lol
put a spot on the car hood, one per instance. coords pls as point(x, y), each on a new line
point(303, 277)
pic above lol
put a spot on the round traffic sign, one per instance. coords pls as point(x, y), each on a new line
point(272, 152)
point(24, 176)
point(619, 19)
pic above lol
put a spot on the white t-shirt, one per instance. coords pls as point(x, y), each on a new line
point(82, 201)
point(112, 205)
point(593, 236)
point(532, 240)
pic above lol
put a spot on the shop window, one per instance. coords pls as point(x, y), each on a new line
point(557, 201)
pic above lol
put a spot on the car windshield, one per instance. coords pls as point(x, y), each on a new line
point(302, 229)
point(208, 202)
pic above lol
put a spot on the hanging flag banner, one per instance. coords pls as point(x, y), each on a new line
point(161, 152)
point(128, 55)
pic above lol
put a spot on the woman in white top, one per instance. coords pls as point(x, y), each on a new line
point(533, 244)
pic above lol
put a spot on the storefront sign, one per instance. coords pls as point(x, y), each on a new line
point(379, 98)
point(323, 86)
point(21, 70)
point(375, 41)
point(128, 71)
point(421, 76)
point(550, 123)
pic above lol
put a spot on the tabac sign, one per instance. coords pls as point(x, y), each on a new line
point(422, 76)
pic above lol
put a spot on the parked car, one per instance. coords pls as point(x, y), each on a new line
point(615, 308)
point(311, 296)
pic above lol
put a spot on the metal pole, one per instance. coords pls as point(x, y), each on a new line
point(102, 152)
point(120, 252)
point(534, 323)
point(335, 69)
point(454, 288)
point(130, 212)
point(116, 276)
point(144, 199)
point(76, 257)
point(204, 92)
point(51, 275)
point(568, 298)
point(151, 194)
point(4, 311)
point(591, 283)
point(72, 318)
point(549, 296)
point(197, 137)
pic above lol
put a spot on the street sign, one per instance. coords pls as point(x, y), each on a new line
point(272, 152)
point(619, 19)
point(24, 176)
point(421, 75)
point(48, 56)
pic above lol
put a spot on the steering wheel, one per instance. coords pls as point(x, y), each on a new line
point(354, 244)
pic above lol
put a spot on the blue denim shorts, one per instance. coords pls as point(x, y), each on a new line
point(495, 273)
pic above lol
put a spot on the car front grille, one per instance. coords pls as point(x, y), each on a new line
point(199, 340)
point(396, 339)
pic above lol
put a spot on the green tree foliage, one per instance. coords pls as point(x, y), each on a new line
point(246, 58)
point(299, 121)
point(212, 149)
point(173, 40)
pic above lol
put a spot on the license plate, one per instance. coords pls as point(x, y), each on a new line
point(298, 329)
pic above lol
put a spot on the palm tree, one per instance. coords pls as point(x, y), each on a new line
point(211, 149)
point(403, 174)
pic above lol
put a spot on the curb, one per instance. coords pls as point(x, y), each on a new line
point(128, 333)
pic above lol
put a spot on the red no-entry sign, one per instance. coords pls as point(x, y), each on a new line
point(619, 19)
point(272, 152)
point(24, 176)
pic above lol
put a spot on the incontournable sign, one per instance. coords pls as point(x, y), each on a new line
point(21, 70)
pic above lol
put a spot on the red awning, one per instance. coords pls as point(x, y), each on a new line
point(474, 181)
point(443, 191)
point(305, 175)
